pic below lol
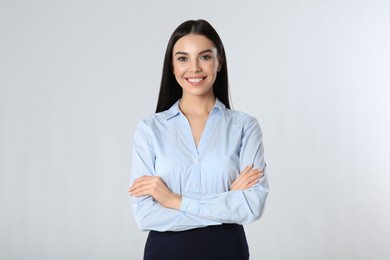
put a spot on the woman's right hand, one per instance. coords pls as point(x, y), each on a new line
point(247, 178)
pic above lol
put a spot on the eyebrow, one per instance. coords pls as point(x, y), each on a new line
point(185, 53)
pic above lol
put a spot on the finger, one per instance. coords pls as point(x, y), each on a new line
point(148, 186)
point(136, 182)
point(247, 169)
point(252, 176)
point(244, 172)
point(255, 178)
point(138, 185)
point(251, 184)
point(142, 190)
point(258, 171)
point(144, 180)
point(253, 173)
point(250, 181)
point(140, 193)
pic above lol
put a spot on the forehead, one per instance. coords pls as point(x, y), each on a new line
point(193, 43)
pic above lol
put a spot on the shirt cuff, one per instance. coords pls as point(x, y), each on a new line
point(190, 205)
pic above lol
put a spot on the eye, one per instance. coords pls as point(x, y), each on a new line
point(182, 58)
point(205, 57)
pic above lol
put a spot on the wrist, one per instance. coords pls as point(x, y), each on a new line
point(175, 201)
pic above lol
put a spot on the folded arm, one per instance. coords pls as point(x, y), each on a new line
point(158, 208)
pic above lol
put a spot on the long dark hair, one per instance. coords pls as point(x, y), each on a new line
point(170, 90)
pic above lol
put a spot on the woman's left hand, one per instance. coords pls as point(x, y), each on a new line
point(155, 187)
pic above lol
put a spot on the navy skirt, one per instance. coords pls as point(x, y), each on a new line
point(227, 241)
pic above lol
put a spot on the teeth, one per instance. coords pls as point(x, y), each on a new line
point(195, 80)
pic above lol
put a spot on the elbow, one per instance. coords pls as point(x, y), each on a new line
point(148, 223)
point(251, 217)
point(142, 218)
point(255, 208)
point(258, 214)
point(143, 225)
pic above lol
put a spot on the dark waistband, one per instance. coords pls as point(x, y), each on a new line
point(204, 229)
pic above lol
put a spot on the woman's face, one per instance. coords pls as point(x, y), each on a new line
point(195, 64)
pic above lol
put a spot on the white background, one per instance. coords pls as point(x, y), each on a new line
point(77, 76)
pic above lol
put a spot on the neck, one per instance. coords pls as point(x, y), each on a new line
point(197, 105)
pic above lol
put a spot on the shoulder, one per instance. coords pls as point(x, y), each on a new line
point(153, 119)
point(160, 118)
point(240, 117)
point(243, 122)
point(154, 123)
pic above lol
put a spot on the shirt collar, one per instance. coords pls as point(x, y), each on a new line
point(175, 109)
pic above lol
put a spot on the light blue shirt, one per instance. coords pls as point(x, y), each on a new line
point(164, 146)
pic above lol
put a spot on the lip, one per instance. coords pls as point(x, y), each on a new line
point(195, 81)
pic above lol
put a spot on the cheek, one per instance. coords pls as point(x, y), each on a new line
point(177, 70)
point(213, 67)
point(178, 79)
point(178, 73)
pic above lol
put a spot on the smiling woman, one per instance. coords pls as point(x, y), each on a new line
point(196, 68)
point(198, 171)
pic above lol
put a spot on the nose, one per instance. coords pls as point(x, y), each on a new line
point(195, 66)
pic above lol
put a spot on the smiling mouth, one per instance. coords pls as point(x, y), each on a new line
point(195, 80)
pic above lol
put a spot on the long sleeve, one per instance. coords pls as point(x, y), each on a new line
point(240, 207)
point(202, 175)
point(149, 214)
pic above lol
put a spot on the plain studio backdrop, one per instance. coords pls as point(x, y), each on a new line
point(77, 76)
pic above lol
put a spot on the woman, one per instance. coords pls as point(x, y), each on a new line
point(198, 169)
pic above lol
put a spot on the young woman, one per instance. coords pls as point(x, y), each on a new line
point(198, 170)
